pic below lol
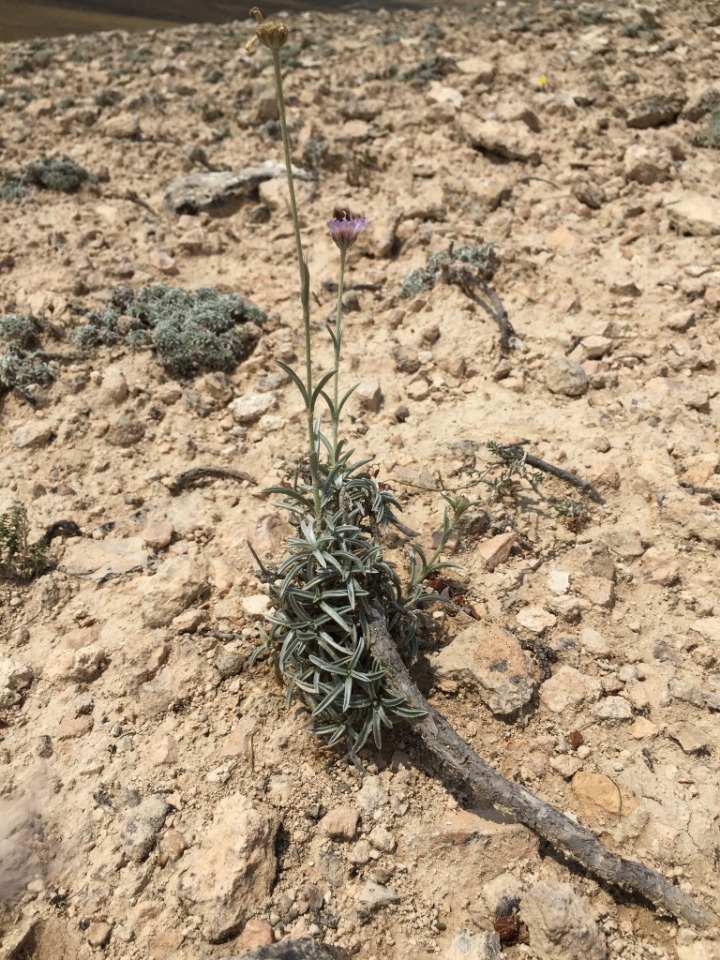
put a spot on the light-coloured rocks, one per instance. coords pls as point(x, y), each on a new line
point(105, 559)
point(381, 839)
point(497, 549)
point(471, 945)
point(15, 679)
point(566, 765)
point(693, 214)
point(490, 660)
point(340, 823)
point(231, 869)
point(370, 394)
point(536, 619)
point(568, 688)
point(648, 165)
point(33, 436)
point(510, 141)
point(560, 925)
point(565, 377)
point(613, 708)
point(176, 584)
point(373, 896)
point(142, 826)
point(250, 408)
point(594, 642)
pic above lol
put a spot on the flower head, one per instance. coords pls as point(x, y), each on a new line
point(345, 227)
point(271, 33)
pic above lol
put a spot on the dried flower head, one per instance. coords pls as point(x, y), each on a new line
point(345, 227)
point(271, 33)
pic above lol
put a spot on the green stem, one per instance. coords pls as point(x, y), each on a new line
point(304, 289)
point(338, 347)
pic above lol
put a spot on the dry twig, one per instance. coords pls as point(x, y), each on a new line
point(516, 451)
point(546, 821)
point(191, 477)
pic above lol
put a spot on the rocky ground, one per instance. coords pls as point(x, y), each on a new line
point(157, 800)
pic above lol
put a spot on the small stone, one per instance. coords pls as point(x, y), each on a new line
point(33, 436)
point(257, 933)
point(566, 377)
point(98, 933)
point(256, 606)
point(114, 385)
point(418, 390)
point(249, 408)
point(560, 925)
point(489, 658)
point(568, 688)
point(694, 215)
point(178, 582)
point(665, 575)
point(613, 708)
point(126, 431)
point(594, 642)
point(372, 795)
point(657, 110)
point(171, 847)
point(158, 534)
point(642, 728)
point(566, 765)
point(370, 395)
point(373, 896)
point(72, 728)
point(598, 590)
point(536, 619)
point(142, 827)
point(162, 261)
point(596, 792)
point(125, 126)
point(229, 663)
point(470, 945)
point(15, 679)
point(496, 550)
point(648, 165)
point(239, 741)
point(361, 853)
point(340, 823)
point(382, 839)
point(558, 582)
point(692, 737)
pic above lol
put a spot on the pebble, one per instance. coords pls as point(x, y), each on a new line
point(340, 823)
point(568, 687)
point(471, 945)
point(372, 795)
point(613, 708)
point(15, 679)
point(566, 765)
point(561, 927)
point(497, 549)
point(382, 839)
point(536, 619)
point(33, 436)
point(250, 408)
point(98, 933)
point(565, 377)
point(594, 642)
point(373, 896)
point(370, 395)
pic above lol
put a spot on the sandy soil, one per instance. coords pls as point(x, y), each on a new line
point(156, 798)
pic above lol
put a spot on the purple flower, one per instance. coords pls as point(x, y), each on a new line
point(345, 227)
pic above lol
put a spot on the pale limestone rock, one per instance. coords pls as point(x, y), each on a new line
point(471, 945)
point(536, 619)
point(15, 678)
point(340, 823)
point(33, 436)
point(566, 377)
point(490, 659)
point(568, 688)
point(497, 549)
point(231, 869)
point(177, 583)
point(249, 408)
point(560, 925)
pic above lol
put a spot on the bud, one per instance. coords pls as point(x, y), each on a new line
point(271, 33)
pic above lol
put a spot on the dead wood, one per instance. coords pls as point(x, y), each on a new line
point(574, 840)
point(191, 477)
point(517, 452)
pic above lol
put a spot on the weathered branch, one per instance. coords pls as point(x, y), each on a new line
point(564, 834)
point(516, 451)
point(190, 477)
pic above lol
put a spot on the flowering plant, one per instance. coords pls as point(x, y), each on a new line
point(334, 573)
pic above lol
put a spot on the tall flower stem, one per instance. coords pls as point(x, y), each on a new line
point(304, 290)
point(338, 348)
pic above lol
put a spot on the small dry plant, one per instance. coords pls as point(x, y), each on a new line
point(334, 571)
